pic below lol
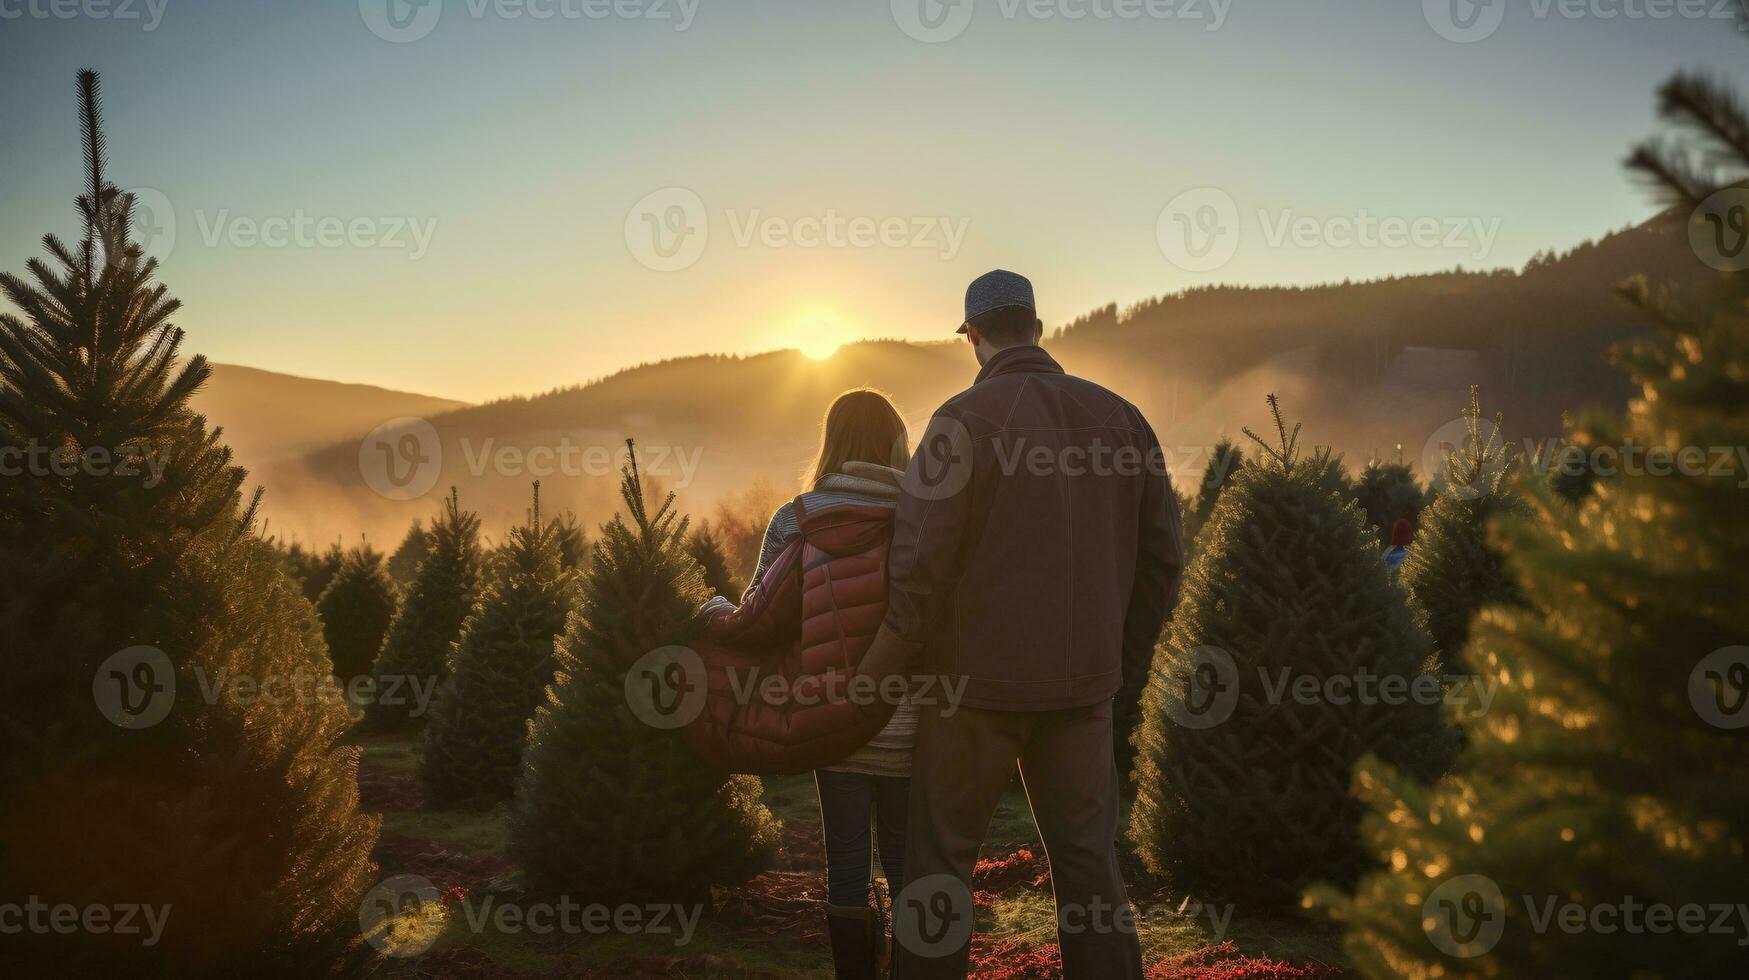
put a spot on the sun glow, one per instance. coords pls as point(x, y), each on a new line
point(819, 350)
point(818, 334)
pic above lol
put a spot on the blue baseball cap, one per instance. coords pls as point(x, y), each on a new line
point(994, 290)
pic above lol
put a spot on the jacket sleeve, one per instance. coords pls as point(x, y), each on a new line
point(1159, 566)
point(934, 513)
point(778, 531)
point(769, 613)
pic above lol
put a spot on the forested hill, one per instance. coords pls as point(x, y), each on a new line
point(1367, 365)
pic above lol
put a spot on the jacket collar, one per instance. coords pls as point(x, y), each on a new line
point(1026, 359)
point(868, 479)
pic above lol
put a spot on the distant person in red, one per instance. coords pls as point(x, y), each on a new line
point(1036, 554)
point(1402, 533)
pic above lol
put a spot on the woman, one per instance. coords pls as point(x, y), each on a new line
point(863, 449)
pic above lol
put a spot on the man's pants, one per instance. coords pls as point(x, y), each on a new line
point(962, 765)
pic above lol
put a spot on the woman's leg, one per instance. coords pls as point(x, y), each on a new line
point(892, 799)
point(846, 805)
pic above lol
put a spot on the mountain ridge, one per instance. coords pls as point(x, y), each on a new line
point(1367, 365)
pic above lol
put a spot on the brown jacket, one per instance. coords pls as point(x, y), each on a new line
point(1037, 548)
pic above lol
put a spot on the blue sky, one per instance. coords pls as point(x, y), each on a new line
point(477, 202)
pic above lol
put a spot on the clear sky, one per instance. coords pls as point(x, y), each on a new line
point(456, 199)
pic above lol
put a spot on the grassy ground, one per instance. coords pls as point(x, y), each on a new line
point(772, 926)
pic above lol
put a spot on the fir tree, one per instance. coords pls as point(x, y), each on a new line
point(473, 746)
point(1453, 570)
point(609, 806)
point(236, 813)
point(1609, 770)
point(1387, 493)
point(442, 593)
point(312, 570)
point(1242, 783)
point(704, 548)
point(356, 610)
point(404, 562)
point(573, 543)
point(1223, 463)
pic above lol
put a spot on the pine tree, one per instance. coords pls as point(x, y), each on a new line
point(135, 588)
point(1453, 570)
point(404, 562)
point(573, 543)
point(356, 610)
point(704, 548)
point(1242, 784)
point(609, 807)
point(415, 655)
point(1387, 493)
point(1224, 461)
point(312, 570)
point(1609, 771)
point(504, 662)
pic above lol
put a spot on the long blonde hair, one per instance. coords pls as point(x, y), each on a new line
point(861, 426)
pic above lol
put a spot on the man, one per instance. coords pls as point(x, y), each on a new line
point(1036, 553)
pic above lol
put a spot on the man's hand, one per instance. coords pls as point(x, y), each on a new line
point(888, 656)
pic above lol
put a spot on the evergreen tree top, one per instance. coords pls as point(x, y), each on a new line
point(529, 547)
point(1285, 453)
point(93, 361)
point(1480, 466)
point(656, 529)
point(453, 525)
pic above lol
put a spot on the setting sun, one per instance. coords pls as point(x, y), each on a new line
point(819, 350)
point(817, 334)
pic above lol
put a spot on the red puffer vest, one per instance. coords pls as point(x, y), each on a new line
point(778, 669)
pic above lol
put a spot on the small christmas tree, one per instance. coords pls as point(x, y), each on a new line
point(704, 548)
point(137, 581)
point(404, 562)
point(573, 543)
point(609, 806)
point(1453, 570)
point(442, 593)
point(1387, 493)
point(1223, 463)
point(312, 570)
point(479, 722)
point(1242, 776)
point(356, 610)
point(1607, 779)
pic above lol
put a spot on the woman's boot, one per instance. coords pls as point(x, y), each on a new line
point(853, 955)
